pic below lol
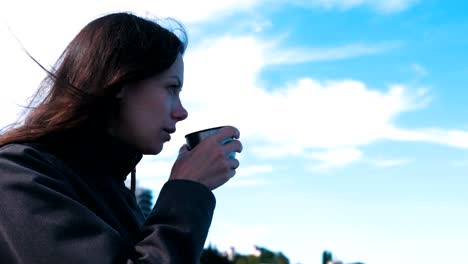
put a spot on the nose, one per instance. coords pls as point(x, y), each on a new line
point(179, 113)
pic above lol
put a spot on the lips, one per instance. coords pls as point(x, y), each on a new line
point(170, 130)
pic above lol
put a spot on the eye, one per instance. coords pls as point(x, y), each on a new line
point(174, 89)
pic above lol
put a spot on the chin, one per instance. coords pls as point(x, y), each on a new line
point(153, 150)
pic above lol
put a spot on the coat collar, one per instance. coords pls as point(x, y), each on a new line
point(94, 153)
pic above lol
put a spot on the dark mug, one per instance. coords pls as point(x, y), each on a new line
point(194, 138)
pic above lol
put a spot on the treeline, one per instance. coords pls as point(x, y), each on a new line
point(211, 255)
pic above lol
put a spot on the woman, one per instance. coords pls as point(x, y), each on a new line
point(112, 97)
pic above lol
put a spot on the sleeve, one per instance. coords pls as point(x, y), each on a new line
point(42, 220)
point(181, 218)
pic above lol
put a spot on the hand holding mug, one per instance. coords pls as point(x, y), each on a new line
point(209, 156)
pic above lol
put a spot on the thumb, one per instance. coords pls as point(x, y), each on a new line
point(183, 150)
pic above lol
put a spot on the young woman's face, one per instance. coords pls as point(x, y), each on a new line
point(150, 109)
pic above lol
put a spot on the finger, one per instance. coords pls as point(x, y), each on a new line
point(240, 147)
point(183, 149)
point(227, 132)
point(234, 163)
point(233, 146)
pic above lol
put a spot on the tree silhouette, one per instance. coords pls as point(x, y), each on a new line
point(144, 199)
point(211, 255)
point(266, 257)
point(326, 257)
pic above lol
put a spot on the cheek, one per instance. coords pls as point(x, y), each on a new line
point(131, 118)
point(145, 110)
point(151, 100)
point(146, 114)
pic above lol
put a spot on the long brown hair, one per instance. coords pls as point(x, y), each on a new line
point(79, 91)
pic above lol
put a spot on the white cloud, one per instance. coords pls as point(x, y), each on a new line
point(235, 182)
point(387, 163)
point(334, 158)
point(229, 67)
point(241, 237)
point(152, 168)
point(152, 173)
point(453, 138)
point(277, 150)
point(222, 87)
point(298, 55)
point(253, 170)
point(383, 6)
point(251, 176)
point(305, 113)
point(186, 11)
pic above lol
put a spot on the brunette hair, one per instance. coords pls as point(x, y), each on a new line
point(109, 52)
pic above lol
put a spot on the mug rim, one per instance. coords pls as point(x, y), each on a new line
point(204, 130)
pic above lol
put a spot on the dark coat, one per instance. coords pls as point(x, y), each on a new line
point(65, 201)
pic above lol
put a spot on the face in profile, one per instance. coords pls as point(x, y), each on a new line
point(150, 109)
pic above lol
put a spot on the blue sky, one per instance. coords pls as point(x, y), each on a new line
point(352, 115)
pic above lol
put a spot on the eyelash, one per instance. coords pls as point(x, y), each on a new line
point(174, 89)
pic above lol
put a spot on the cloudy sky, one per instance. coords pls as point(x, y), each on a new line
point(352, 114)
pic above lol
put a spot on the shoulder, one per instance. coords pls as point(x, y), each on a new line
point(29, 169)
point(22, 153)
point(15, 148)
point(18, 151)
point(29, 160)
